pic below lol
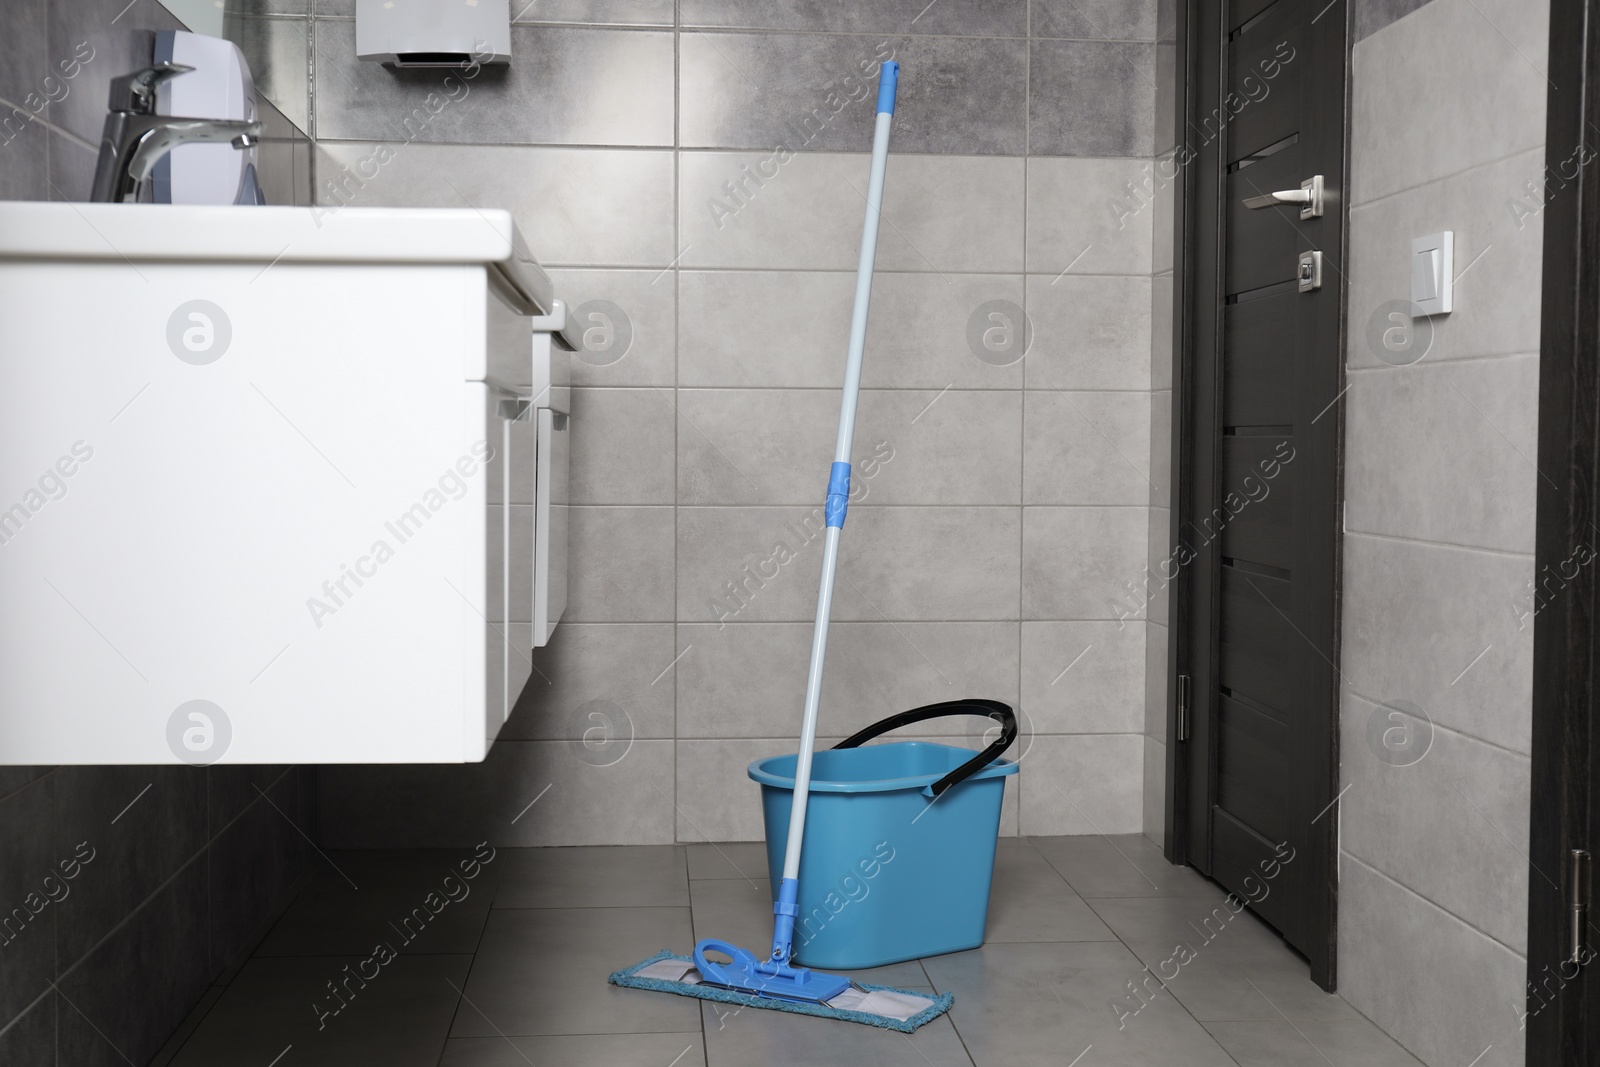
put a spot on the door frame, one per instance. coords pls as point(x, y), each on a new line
point(1191, 242)
point(1563, 1020)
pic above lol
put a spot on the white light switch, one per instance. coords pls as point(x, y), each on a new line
point(1433, 272)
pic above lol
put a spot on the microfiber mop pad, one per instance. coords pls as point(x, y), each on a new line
point(875, 1005)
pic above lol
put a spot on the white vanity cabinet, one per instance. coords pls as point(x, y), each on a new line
point(273, 482)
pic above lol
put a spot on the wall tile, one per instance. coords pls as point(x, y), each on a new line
point(599, 12)
point(806, 213)
point(24, 157)
point(1367, 17)
point(1095, 19)
point(1083, 784)
point(620, 564)
point(1091, 98)
point(1156, 641)
point(716, 800)
point(1155, 791)
point(252, 866)
point(1499, 231)
point(912, 447)
point(72, 167)
point(162, 947)
point(1452, 827)
point(556, 194)
point(1158, 588)
point(35, 894)
point(985, 18)
point(1401, 961)
point(1162, 349)
point(622, 446)
point(32, 1038)
point(591, 669)
point(524, 793)
point(1161, 486)
point(1087, 448)
point(1445, 453)
point(749, 679)
point(818, 93)
point(770, 329)
point(1086, 217)
point(232, 787)
point(1417, 616)
point(1083, 677)
point(276, 51)
point(638, 350)
point(589, 86)
point(1434, 61)
point(1082, 562)
point(134, 855)
point(1089, 332)
point(24, 59)
point(931, 564)
point(114, 40)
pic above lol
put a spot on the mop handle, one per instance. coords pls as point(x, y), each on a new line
point(785, 908)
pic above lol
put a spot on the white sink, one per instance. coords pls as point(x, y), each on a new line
point(267, 480)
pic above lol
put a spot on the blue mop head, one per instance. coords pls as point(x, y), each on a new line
point(630, 978)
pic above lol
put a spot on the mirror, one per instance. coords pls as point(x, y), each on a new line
point(277, 48)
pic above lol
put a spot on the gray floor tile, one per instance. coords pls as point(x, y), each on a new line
point(609, 876)
point(1029, 901)
point(1351, 1043)
point(398, 1018)
point(416, 900)
point(1046, 1004)
point(1262, 990)
point(1153, 926)
point(594, 1050)
point(542, 971)
point(729, 860)
point(1122, 865)
point(738, 1037)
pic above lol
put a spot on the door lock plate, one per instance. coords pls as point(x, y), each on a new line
point(1310, 271)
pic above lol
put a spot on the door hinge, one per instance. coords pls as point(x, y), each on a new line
point(1578, 904)
point(1183, 707)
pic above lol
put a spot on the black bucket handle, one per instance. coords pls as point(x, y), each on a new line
point(991, 709)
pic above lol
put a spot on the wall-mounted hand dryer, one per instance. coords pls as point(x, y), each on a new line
point(428, 33)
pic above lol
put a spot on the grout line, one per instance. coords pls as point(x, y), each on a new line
point(1502, 553)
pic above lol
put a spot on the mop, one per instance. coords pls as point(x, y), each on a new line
point(775, 982)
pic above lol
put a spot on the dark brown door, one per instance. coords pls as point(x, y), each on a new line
point(1257, 522)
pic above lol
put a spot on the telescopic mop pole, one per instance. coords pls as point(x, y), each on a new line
point(785, 909)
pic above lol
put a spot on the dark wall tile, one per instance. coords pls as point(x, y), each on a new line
point(1092, 98)
point(15, 778)
point(1122, 20)
point(31, 1040)
point(571, 86)
point(24, 171)
point(120, 35)
point(71, 168)
point(1370, 16)
point(233, 787)
point(253, 866)
point(23, 63)
point(134, 855)
point(977, 18)
point(818, 92)
point(121, 1002)
point(32, 895)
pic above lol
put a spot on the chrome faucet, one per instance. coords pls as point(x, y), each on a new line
point(135, 137)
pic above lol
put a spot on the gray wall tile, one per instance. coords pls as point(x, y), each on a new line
point(1083, 216)
point(639, 349)
point(24, 158)
point(1444, 453)
point(767, 329)
point(903, 563)
point(622, 446)
point(747, 679)
point(600, 12)
point(1499, 231)
point(1133, 20)
point(1434, 61)
point(738, 446)
point(1091, 98)
point(1416, 615)
point(1083, 784)
point(556, 194)
point(1452, 827)
point(818, 93)
point(618, 671)
point(277, 51)
point(24, 59)
point(1393, 948)
point(620, 564)
point(1367, 17)
point(716, 800)
point(1155, 791)
point(1156, 641)
point(806, 213)
point(1083, 677)
point(115, 40)
point(1089, 332)
point(983, 18)
point(72, 166)
point(1082, 562)
point(1161, 487)
point(1087, 448)
point(604, 87)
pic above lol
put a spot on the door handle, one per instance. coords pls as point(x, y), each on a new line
point(1308, 196)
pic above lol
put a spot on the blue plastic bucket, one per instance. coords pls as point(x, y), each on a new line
point(888, 871)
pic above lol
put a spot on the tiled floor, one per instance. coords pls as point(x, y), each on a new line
point(508, 969)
